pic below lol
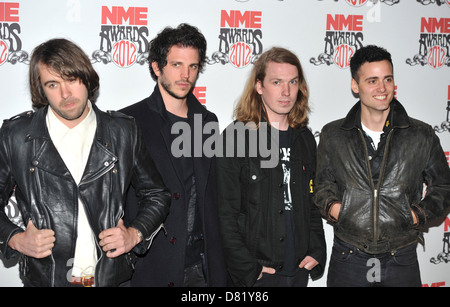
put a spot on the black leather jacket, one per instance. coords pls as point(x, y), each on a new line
point(377, 218)
point(47, 194)
point(251, 208)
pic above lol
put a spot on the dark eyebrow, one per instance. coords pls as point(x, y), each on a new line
point(50, 81)
point(375, 78)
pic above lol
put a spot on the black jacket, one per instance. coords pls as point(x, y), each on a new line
point(251, 207)
point(377, 218)
point(163, 265)
point(47, 194)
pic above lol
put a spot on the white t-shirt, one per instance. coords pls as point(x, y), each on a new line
point(374, 135)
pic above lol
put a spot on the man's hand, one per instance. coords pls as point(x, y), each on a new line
point(118, 240)
point(335, 210)
point(266, 270)
point(308, 263)
point(33, 242)
point(415, 219)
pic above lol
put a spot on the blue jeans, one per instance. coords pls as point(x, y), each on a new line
point(350, 267)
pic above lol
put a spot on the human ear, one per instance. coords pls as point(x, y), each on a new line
point(155, 68)
point(259, 86)
point(355, 86)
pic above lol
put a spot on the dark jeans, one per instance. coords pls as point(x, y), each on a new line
point(278, 280)
point(350, 267)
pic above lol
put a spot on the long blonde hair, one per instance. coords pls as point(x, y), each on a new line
point(250, 107)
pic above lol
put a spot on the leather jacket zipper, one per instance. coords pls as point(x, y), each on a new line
point(111, 165)
point(45, 214)
point(380, 178)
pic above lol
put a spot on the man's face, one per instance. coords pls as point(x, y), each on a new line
point(178, 77)
point(67, 97)
point(279, 90)
point(375, 86)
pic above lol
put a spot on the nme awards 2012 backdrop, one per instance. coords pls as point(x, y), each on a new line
point(323, 33)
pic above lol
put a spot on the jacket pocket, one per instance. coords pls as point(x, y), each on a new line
point(356, 214)
point(257, 178)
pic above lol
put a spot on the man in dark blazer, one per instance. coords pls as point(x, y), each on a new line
point(189, 252)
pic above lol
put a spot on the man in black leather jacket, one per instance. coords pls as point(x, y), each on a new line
point(70, 165)
point(371, 171)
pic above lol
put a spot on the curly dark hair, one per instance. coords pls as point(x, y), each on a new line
point(184, 35)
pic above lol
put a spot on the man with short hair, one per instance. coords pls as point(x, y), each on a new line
point(371, 168)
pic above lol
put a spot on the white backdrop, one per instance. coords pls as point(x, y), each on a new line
point(323, 33)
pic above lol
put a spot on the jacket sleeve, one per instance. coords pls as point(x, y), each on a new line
point(153, 198)
point(436, 203)
point(7, 228)
point(326, 189)
point(242, 266)
point(317, 245)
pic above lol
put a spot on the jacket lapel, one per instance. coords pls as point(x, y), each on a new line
point(101, 159)
point(47, 158)
point(45, 155)
point(202, 164)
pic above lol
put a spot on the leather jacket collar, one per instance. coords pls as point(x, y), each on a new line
point(38, 128)
point(399, 115)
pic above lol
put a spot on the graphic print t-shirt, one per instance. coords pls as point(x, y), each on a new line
point(290, 266)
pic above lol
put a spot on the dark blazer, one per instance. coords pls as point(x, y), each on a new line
point(163, 265)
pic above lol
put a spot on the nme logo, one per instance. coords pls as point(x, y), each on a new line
point(340, 23)
point(136, 16)
point(9, 12)
point(235, 19)
point(239, 39)
point(344, 35)
point(10, 42)
point(123, 36)
point(433, 43)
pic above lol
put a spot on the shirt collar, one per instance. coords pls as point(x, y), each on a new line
point(58, 130)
